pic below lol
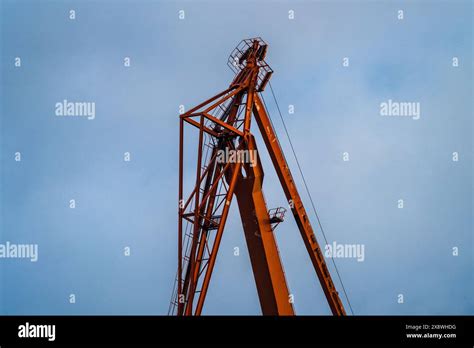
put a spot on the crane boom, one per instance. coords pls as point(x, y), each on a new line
point(297, 207)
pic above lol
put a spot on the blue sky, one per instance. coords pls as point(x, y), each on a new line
point(407, 251)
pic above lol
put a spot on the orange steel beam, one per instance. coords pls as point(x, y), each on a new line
point(189, 112)
point(215, 248)
point(223, 124)
point(216, 183)
point(263, 250)
point(296, 205)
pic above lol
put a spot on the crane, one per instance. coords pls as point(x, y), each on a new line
point(224, 127)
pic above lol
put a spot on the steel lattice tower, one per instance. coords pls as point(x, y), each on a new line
point(224, 124)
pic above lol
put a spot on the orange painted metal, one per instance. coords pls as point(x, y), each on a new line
point(224, 125)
